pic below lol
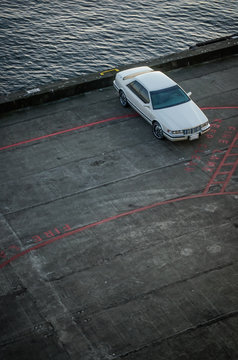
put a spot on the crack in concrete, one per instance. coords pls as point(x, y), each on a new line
point(220, 318)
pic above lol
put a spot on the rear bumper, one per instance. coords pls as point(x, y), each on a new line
point(115, 86)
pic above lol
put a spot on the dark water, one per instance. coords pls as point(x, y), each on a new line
point(46, 40)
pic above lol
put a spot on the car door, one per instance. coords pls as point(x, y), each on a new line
point(140, 100)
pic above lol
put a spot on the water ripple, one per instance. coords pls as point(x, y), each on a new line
point(45, 41)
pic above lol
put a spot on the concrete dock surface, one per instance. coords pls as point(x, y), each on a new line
point(115, 245)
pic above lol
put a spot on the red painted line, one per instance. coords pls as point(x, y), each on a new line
point(218, 182)
point(229, 164)
point(106, 220)
point(93, 124)
point(222, 163)
point(218, 107)
point(67, 131)
point(78, 230)
point(229, 177)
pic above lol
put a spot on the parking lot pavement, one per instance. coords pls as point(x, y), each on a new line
point(115, 245)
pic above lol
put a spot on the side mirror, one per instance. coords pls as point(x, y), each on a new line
point(189, 93)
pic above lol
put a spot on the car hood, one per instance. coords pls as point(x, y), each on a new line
point(180, 117)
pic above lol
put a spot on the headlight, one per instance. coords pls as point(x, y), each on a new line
point(205, 124)
point(177, 132)
point(174, 132)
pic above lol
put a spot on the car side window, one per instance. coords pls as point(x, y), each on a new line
point(140, 91)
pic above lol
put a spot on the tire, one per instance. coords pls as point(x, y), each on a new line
point(123, 99)
point(157, 130)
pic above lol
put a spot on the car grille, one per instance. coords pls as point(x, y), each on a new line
point(192, 131)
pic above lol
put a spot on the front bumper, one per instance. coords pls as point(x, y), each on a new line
point(190, 137)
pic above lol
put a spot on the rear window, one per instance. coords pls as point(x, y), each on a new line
point(140, 91)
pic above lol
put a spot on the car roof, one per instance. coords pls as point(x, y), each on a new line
point(131, 73)
point(155, 80)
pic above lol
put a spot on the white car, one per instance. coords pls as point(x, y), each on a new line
point(162, 102)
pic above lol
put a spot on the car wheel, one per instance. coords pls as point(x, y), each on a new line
point(157, 130)
point(123, 99)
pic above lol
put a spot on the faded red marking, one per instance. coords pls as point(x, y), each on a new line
point(78, 230)
point(218, 107)
point(106, 220)
point(51, 233)
point(223, 163)
point(67, 131)
point(93, 124)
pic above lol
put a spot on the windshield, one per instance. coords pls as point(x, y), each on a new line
point(168, 97)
